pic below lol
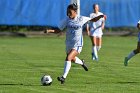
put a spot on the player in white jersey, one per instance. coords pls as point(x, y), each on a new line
point(74, 38)
point(136, 51)
point(94, 30)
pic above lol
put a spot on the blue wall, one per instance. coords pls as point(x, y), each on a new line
point(50, 12)
point(119, 12)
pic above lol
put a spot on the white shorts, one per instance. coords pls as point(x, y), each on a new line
point(78, 49)
point(96, 33)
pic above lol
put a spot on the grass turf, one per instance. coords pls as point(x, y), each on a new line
point(23, 61)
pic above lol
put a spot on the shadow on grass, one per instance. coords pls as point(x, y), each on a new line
point(129, 82)
point(14, 34)
point(19, 85)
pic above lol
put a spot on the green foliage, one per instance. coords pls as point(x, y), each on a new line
point(22, 28)
point(17, 28)
point(118, 29)
point(23, 61)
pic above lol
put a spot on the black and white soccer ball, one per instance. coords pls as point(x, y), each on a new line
point(46, 80)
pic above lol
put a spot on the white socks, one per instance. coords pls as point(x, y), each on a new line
point(78, 61)
point(94, 50)
point(98, 48)
point(131, 55)
point(66, 68)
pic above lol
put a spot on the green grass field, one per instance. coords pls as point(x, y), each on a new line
point(23, 61)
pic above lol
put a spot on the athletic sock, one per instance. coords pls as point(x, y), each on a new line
point(66, 68)
point(131, 55)
point(78, 61)
point(98, 48)
point(94, 51)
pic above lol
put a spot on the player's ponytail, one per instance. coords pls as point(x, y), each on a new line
point(138, 25)
point(75, 6)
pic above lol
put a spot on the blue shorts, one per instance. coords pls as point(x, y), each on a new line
point(139, 37)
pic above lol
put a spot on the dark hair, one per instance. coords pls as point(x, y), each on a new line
point(94, 5)
point(138, 25)
point(72, 7)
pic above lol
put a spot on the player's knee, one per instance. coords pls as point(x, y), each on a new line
point(73, 60)
point(94, 44)
point(69, 58)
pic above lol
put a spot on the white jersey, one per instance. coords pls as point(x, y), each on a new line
point(95, 27)
point(74, 36)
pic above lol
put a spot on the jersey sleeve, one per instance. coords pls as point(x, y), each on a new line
point(62, 24)
point(103, 19)
point(139, 22)
point(92, 15)
point(85, 19)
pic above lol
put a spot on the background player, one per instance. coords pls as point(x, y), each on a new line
point(94, 30)
point(74, 38)
point(136, 51)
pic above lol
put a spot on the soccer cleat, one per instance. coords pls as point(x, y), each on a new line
point(84, 66)
point(94, 57)
point(61, 79)
point(126, 61)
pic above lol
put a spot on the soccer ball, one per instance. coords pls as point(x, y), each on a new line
point(46, 80)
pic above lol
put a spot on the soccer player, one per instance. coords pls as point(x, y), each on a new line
point(94, 30)
point(136, 51)
point(74, 38)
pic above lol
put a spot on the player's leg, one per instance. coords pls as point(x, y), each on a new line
point(133, 53)
point(67, 67)
point(99, 43)
point(79, 61)
point(73, 53)
point(94, 48)
point(138, 48)
point(73, 57)
point(70, 56)
point(76, 59)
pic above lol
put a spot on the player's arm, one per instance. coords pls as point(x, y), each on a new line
point(97, 18)
point(103, 25)
point(52, 31)
point(61, 27)
point(103, 22)
point(87, 29)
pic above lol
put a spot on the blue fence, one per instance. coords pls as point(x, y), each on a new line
point(50, 12)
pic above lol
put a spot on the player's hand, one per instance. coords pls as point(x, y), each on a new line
point(105, 17)
point(49, 31)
